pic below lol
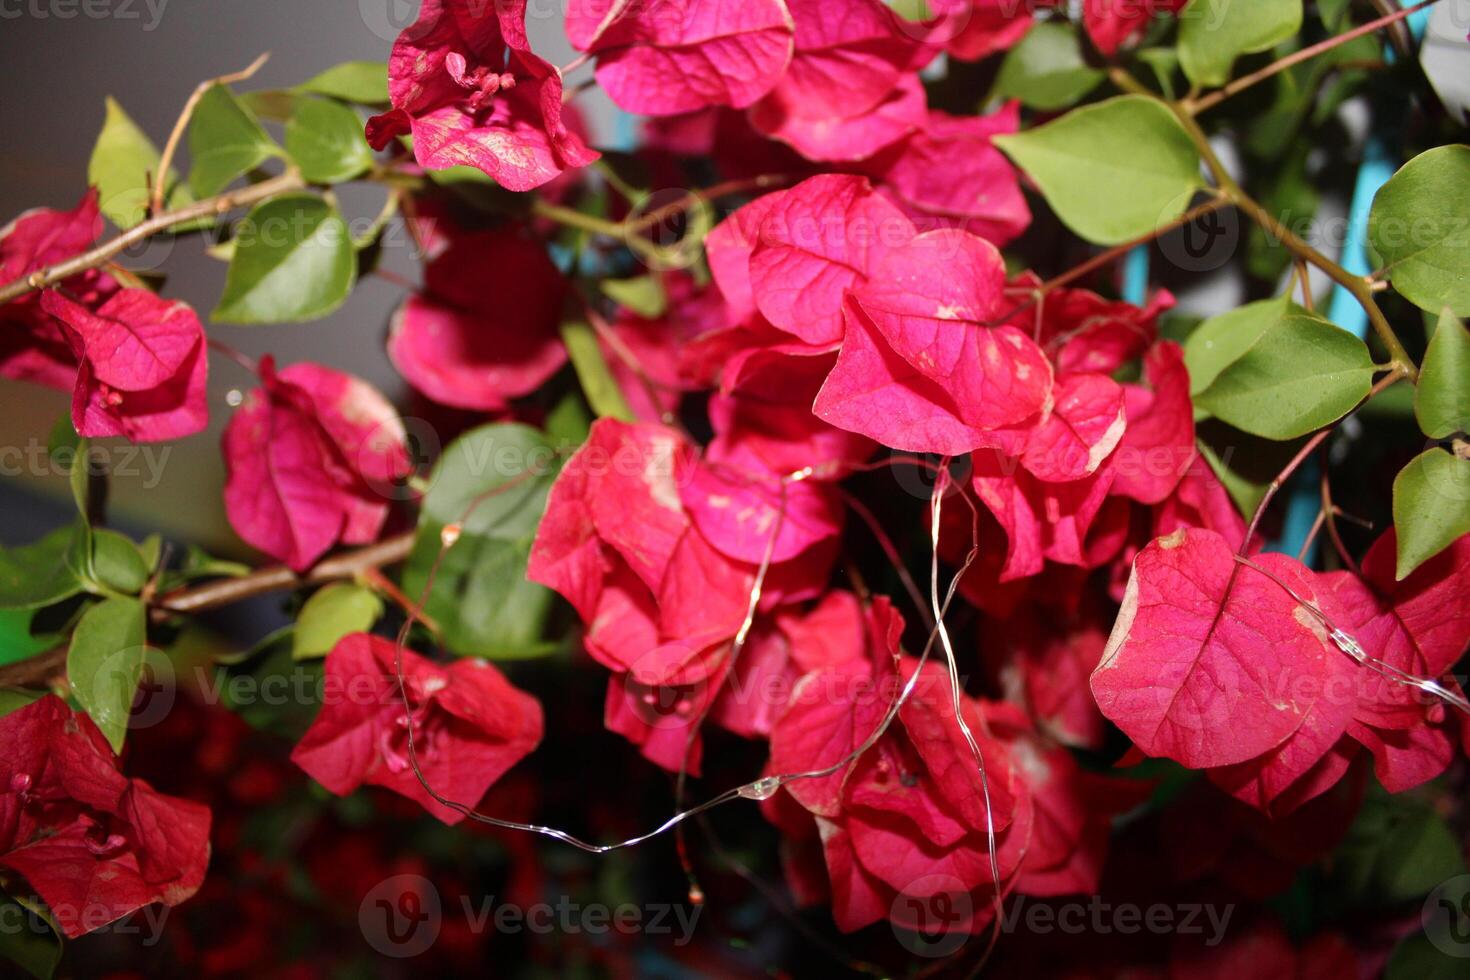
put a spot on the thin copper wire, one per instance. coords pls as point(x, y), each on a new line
point(1349, 645)
point(758, 789)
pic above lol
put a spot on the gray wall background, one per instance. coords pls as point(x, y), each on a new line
point(60, 59)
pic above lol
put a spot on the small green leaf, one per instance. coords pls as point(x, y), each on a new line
point(1213, 33)
point(642, 295)
point(1417, 958)
point(598, 384)
point(39, 574)
point(105, 661)
point(1218, 342)
point(247, 684)
point(1112, 171)
point(330, 614)
point(273, 104)
point(117, 563)
point(481, 598)
point(15, 698)
point(1442, 398)
point(568, 421)
point(363, 82)
point(29, 940)
point(1046, 69)
point(1397, 850)
point(225, 141)
point(124, 162)
point(1431, 506)
point(1302, 373)
point(1420, 230)
point(293, 261)
point(17, 642)
point(1165, 65)
point(324, 139)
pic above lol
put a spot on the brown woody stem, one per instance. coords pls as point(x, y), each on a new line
point(1359, 287)
point(228, 201)
point(1196, 106)
point(165, 162)
point(47, 667)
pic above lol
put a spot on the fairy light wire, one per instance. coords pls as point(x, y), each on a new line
point(757, 789)
point(1348, 644)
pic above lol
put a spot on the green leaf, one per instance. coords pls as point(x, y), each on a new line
point(642, 295)
point(1417, 958)
point(1442, 398)
point(273, 104)
point(117, 563)
point(17, 642)
point(325, 140)
point(15, 698)
point(568, 421)
point(1420, 230)
point(29, 940)
point(1213, 33)
point(363, 82)
point(293, 261)
point(105, 662)
point(1218, 342)
point(269, 689)
point(1333, 14)
point(39, 574)
point(598, 384)
point(1046, 69)
point(225, 141)
point(123, 163)
point(1301, 373)
point(330, 614)
point(1165, 64)
point(1431, 506)
point(1397, 851)
point(1112, 171)
point(481, 598)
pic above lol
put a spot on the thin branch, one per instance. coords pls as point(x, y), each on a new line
point(1296, 461)
point(277, 578)
point(1356, 285)
point(1196, 106)
point(160, 179)
point(1118, 251)
point(228, 201)
point(50, 666)
point(1330, 510)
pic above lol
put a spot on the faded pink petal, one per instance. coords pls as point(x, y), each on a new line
point(932, 300)
point(816, 241)
point(677, 56)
